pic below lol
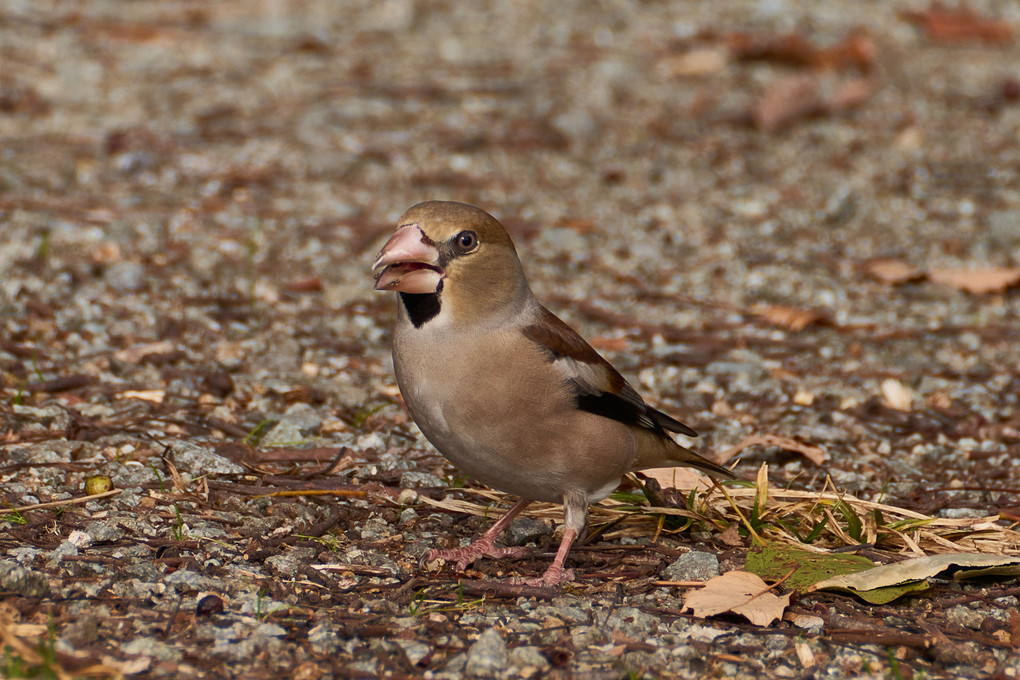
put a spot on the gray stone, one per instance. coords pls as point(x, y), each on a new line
point(633, 621)
point(198, 460)
point(304, 417)
point(284, 433)
point(324, 638)
point(44, 418)
point(524, 530)
point(566, 614)
point(125, 277)
point(418, 480)
point(18, 579)
point(65, 549)
point(24, 555)
point(414, 651)
point(104, 532)
point(151, 647)
point(406, 515)
point(187, 581)
point(289, 563)
point(963, 615)
point(487, 657)
point(1004, 226)
point(692, 566)
point(527, 661)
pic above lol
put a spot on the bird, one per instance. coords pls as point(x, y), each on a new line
point(505, 390)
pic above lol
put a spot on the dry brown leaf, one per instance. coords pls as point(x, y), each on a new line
point(578, 224)
point(896, 395)
point(891, 271)
point(815, 454)
point(959, 25)
point(609, 344)
point(795, 319)
point(678, 478)
point(786, 99)
point(856, 51)
point(978, 281)
point(731, 536)
point(740, 592)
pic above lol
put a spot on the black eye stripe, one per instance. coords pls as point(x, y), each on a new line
point(464, 243)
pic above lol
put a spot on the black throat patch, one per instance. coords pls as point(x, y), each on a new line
point(421, 307)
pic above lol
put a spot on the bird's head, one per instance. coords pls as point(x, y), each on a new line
point(456, 252)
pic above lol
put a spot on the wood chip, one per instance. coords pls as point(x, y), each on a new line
point(692, 64)
point(896, 395)
point(794, 319)
point(959, 25)
point(891, 271)
point(978, 281)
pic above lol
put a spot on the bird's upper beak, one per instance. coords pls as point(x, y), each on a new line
point(408, 263)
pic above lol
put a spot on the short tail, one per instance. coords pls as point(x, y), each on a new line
point(655, 451)
point(688, 458)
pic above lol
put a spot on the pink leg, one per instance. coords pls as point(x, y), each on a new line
point(484, 546)
point(575, 512)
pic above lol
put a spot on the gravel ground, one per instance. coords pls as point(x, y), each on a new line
point(191, 194)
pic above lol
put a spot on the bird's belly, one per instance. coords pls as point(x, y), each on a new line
point(524, 442)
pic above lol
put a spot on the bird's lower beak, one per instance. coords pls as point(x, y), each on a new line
point(408, 263)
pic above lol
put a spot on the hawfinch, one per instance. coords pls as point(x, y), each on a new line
point(506, 391)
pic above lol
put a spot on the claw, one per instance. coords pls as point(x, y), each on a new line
point(468, 554)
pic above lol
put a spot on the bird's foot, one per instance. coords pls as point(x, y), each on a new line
point(468, 554)
point(554, 576)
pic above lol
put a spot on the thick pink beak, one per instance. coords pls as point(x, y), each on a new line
point(408, 263)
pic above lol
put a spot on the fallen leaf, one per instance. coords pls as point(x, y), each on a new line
point(795, 319)
point(896, 395)
point(786, 99)
point(740, 592)
point(678, 478)
point(857, 50)
point(807, 94)
point(885, 583)
point(959, 25)
point(731, 536)
point(815, 454)
point(891, 271)
point(800, 568)
point(691, 64)
point(978, 281)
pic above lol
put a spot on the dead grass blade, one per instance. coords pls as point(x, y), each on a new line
point(813, 520)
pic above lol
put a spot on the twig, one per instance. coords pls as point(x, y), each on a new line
point(69, 501)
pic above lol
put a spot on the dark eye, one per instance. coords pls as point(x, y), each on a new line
point(466, 241)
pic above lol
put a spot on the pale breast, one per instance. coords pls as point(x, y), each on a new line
point(491, 409)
